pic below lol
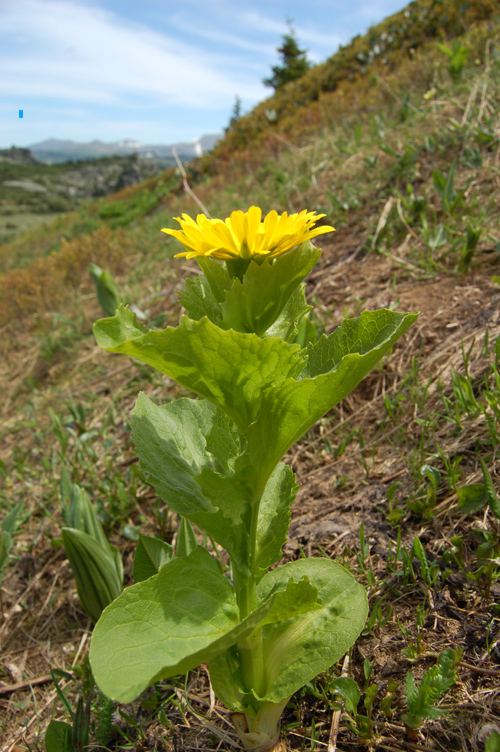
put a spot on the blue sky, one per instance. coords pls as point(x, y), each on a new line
point(152, 70)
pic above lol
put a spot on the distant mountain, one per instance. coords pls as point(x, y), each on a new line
point(58, 150)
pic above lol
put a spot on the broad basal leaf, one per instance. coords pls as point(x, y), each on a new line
point(302, 645)
point(167, 625)
point(298, 649)
point(227, 368)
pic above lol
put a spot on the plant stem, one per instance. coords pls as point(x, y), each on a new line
point(251, 648)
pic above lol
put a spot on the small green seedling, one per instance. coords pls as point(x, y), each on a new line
point(435, 683)
point(107, 292)
point(457, 56)
point(471, 240)
point(444, 185)
point(471, 499)
point(7, 532)
point(64, 737)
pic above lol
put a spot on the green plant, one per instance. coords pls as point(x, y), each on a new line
point(444, 185)
point(61, 736)
point(472, 498)
point(95, 563)
point(471, 240)
point(457, 56)
point(348, 689)
point(435, 682)
point(107, 292)
point(492, 742)
point(7, 532)
point(215, 461)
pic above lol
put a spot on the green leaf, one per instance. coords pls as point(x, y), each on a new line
point(255, 303)
point(9, 522)
point(59, 737)
point(493, 742)
point(300, 648)
point(224, 441)
point(186, 539)
point(94, 568)
point(107, 292)
point(150, 555)
point(5, 549)
point(171, 442)
point(228, 368)
point(472, 497)
point(274, 518)
point(349, 691)
point(198, 300)
point(192, 616)
point(336, 364)
point(80, 513)
point(296, 598)
point(419, 551)
point(217, 276)
point(491, 495)
point(287, 324)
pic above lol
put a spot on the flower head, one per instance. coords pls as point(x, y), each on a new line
point(244, 235)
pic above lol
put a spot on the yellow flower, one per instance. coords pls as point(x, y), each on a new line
point(243, 235)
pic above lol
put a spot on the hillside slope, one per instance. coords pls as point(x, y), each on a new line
point(405, 164)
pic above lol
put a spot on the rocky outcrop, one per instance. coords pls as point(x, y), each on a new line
point(16, 155)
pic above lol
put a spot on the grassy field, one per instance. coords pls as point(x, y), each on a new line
point(399, 483)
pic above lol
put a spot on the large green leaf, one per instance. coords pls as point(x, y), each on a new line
point(172, 442)
point(302, 645)
point(167, 625)
point(298, 649)
point(255, 303)
point(336, 365)
point(228, 368)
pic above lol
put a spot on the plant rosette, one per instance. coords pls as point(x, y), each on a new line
point(215, 461)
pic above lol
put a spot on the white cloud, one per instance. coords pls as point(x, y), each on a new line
point(71, 51)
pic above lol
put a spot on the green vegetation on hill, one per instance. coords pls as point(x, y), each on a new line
point(306, 104)
point(30, 189)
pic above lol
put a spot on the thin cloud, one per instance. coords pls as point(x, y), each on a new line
point(110, 59)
